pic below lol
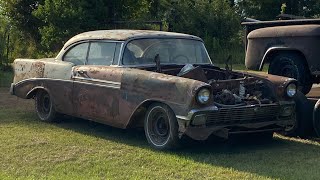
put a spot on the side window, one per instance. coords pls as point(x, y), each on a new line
point(77, 54)
point(101, 53)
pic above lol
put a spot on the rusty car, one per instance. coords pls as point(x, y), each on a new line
point(290, 47)
point(164, 82)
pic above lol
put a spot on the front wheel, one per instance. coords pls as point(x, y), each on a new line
point(303, 117)
point(44, 106)
point(161, 127)
point(316, 118)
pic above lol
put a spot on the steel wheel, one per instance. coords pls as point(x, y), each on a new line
point(161, 127)
point(44, 106)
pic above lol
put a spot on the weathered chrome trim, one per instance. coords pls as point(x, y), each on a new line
point(114, 86)
point(36, 79)
point(280, 48)
point(120, 53)
point(12, 89)
point(194, 111)
point(96, 80)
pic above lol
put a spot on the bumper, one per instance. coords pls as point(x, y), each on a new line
point(201, 123)
point(12, 89)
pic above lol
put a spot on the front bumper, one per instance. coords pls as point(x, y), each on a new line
point(199, 124)
point(12, 89)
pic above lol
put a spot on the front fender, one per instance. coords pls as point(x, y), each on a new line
point(137, 86)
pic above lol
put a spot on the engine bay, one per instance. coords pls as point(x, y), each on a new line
point(229, 88)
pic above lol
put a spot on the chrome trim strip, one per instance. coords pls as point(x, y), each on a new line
point(35, 79)
point(193, 111)
point(96, 80)
point(121, 54)
point(100, 85)
point(110, 84)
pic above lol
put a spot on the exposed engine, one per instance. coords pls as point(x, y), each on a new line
point(242, 91)
point(230, 88)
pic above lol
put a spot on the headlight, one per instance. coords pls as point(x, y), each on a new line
point(203, 96)
point(291, 90)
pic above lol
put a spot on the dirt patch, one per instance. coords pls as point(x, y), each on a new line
point(315, 92)
point(10, 101)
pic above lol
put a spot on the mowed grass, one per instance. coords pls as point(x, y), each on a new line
point(6, 78)
point(80, 149)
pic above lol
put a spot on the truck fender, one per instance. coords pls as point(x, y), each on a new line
point(271, 50)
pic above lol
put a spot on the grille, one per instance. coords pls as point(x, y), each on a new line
point(243, 115)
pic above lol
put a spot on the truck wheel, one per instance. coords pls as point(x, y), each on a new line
point(303, 116)
point(44, 106)
point(161, 127)
point(291, 65)
point(316, 118)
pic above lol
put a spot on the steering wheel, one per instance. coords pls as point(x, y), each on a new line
point(180, 57)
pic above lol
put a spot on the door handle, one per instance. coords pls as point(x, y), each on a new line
point(81, 72)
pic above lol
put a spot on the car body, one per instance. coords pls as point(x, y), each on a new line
point(288, 46)
point(162, 81)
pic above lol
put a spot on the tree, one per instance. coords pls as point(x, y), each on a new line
point(19, 14)
point(269, 9)
point(261, 10)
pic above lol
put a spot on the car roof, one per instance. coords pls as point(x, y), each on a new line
point(124, 35)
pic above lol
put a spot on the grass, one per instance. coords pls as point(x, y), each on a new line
point(80, 149)
point(6, 78)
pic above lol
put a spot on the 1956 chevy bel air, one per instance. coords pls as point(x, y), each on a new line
point(162, 81)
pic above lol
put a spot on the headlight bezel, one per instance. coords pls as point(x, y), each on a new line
point(289, 90)
point(203, 91)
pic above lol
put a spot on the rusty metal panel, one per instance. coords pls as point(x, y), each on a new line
point(97, 94)
point(59, 90)
point(41, 68)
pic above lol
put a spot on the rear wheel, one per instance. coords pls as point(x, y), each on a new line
point(316, 118)
point(291, 65)
point(161, 127)
point(44, 106)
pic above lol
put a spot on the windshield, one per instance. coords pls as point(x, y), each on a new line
point(171, 51)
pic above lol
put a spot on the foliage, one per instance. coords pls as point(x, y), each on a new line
point(216, 22)
point(39, 28)
point(269, 9)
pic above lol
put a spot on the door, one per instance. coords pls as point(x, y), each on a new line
point(96, 89)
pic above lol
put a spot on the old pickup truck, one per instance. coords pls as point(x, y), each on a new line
point(164, 82)
point(290, 47)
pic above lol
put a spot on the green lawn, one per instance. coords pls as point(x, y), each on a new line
point(80, 149)
point(5, 78)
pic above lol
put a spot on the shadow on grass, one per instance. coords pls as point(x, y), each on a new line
point(281, 158)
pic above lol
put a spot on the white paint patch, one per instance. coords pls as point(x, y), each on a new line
point(41, 68)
